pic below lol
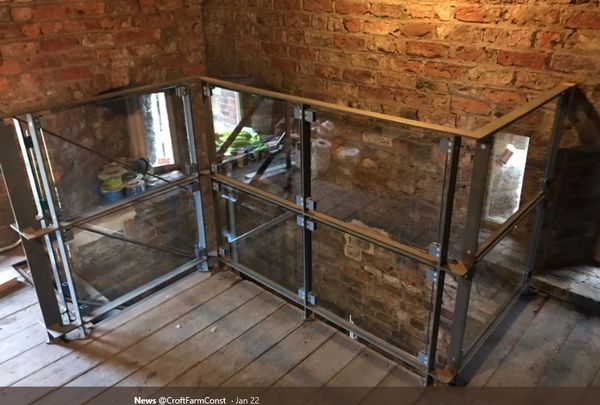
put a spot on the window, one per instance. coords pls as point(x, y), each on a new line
point(507, 172)
point(160, 145)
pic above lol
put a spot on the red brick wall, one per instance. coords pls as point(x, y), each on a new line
point(52, 50)
point(449, 62)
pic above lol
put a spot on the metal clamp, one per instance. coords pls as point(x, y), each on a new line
point(309, 116)
point(311, 299)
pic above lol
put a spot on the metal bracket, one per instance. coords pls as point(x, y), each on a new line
point(68, 235)
point(207, 91)
point(434, 249)
point(200, 252)
point(308, 224)
point(214, 167)
point(312, 298)
point(190, 168)
point(181, 91)
point(310, 203)
point(431, 275)
point(446, 145)
point(423, 359)
point(222, 251)
point(193, 187)
point(215, 186)
point(309, 116)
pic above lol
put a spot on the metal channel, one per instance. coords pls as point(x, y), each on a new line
point(470, 243)
point(305, 190)
point(38, 206)
point(446, 225)
point(557, 130)
point(184, 93)
point(143, 289)
point(33, 128)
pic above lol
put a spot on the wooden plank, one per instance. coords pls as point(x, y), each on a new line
point(15, 323)
point(30, 368)
point(123, 364)
point(401, 377)
point(578, 360)
point(282, 357)
point(217, 368)
point(322, 364)
point(529, 359)
point(17, 301)
point(367, 369)
point(143, 352)
point(495, 349)
point(22, 341)
point(174, 362)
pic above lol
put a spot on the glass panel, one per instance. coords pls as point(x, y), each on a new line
point(498, 277)
point(516, 168)
point(386, 176)
point(114, 255)
point(145, 132)
point(380, 291)
point(265, 152)
point(262, 237)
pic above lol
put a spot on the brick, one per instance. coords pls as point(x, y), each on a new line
point(473, 54)
point(10, 67)
point(470, 105)
point(21, 14)
point(476, 13)
point(547, 39)
point(574, 63)
point(392, 10)
point(445, 70)
point(353, 25)
point(351, 43)
point(356, 7)
point(380, 27)
point(288, 4)
point(318, 5)
point(505, 97)
point(417, 30)
point(534, 60)
point(359, 76)
point(284, 64)
point(586, 19)
point(59, 44)
point(426, 49)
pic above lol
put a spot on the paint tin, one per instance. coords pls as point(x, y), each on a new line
point(111, 196)
point(135, 187)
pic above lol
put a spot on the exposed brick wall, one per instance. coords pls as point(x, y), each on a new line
point(451, 62)
point(52, 50)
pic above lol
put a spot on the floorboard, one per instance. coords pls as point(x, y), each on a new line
point(220, 366)
point(529, 359)
point(322, 364)
point(494, 350)
point(278, 360)
point(23, 319)
point(572, 366)
point(22, 341)
point(17, 301)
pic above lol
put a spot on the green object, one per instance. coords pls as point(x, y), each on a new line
point(244, 139)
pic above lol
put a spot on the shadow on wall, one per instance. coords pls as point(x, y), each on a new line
point(572, 229)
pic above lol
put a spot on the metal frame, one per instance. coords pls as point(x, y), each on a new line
point(43, 223)
point(437, 261)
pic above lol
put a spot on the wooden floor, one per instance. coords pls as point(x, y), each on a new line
point(218, 330)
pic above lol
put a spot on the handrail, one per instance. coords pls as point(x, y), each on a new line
point(478, 134)
point(521, 111)
point(337, 107)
